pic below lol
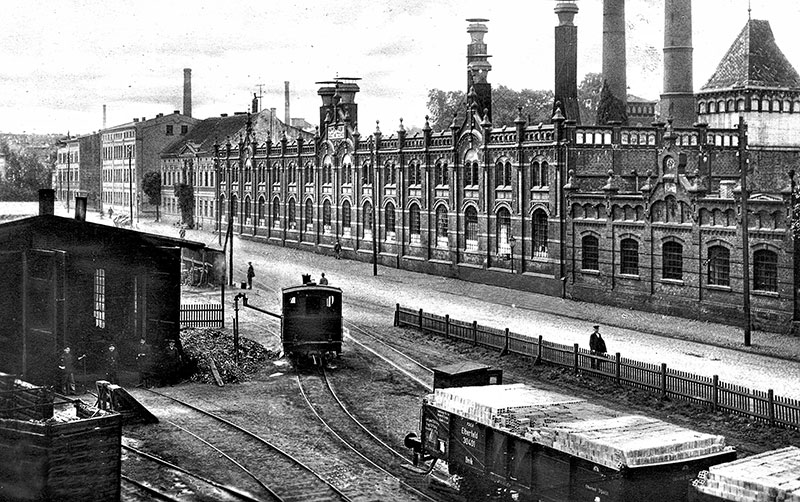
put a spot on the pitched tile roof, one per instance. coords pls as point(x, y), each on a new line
point(754, 60)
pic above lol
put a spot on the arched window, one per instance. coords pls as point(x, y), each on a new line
point(441, 174)
point(247, 208)
point(765, 270)
point(471, 228)
point(223, 207)
point(367, 219)
point(629, 257)
point(276, 173)
point(590, 253)
point(326, 215)
point(276, 212)
point(346, 215)
point(414, 173)
point(347, 170)
point(389, 216)
point(672, 261)
point(309, 216)
point(539, 233)
point(367, 175)
point(719, 266)
point(539, 174)
point(503, 231)
point(292, 216)
point(391, 173)
point(414, 222)
point(441, 226)
point(291, 173)
point(503, 174)
point(234, 205)
point(471, 174)
point(327, 170)
point(308, 173)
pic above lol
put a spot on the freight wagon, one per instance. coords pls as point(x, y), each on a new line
point(541, 445)
point(772, 475)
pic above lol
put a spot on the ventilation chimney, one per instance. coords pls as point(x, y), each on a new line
point(80, 208)
point(566, 59)
point(104, 116)
point(614, 60)
point(677, 101)
point(254, 104)
point(478, 68)
point(287, 117)
point(187, 92)
point(47, 202)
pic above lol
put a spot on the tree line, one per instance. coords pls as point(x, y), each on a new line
point(25, 174)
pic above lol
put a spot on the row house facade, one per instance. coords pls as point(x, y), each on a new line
point(78, 170)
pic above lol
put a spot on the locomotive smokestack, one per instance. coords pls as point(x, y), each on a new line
point(566, 59)
point(677, 101)
point(614, 57)
point(287, 118)
point(187, 92)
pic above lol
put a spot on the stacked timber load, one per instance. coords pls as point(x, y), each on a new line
point(575, 427)
point(768, 476)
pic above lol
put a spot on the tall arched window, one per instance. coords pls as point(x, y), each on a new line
point(308, 173)
point(471, 228)
point(414, 173)
point(414, 226)
point(367, 217)
point(292, 216)
point(441, 226)
point(503, 231)
point(765, 270)
point(629, 257)
point(247, 208)
point(326, 215)
point(276, 212)
point(672, 260)
point(327, 170)
point(223, 207)
point(471, 174)
point(539, 233)
point(367, 174)
point(309, 216)
point(347, 170)
point(276, 173)
point(503, 174)
point(234, 205)
point(346, 216)
point(292, 173)
point(719, 266)
point(389, 216)
point(590, 253)
point(391, 173)
point(441, 174)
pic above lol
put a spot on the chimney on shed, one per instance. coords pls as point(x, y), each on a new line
point(677, 100)
point(80, 208)
point(286, 116)
point(47, 202)
point(187, 92)
point(566, 61)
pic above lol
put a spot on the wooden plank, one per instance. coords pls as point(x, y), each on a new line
point(214, 372)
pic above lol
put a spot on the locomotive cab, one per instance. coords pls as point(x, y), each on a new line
point(311, 324)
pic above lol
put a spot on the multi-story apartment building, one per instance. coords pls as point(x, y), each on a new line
point(78, 171)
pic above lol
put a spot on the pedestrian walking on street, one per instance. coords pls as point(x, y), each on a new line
point(597, 346)
point(67, 368)
point(337, 249)
point(112, 363)
point(250, 274)
point(143, 363)
point(322, 280)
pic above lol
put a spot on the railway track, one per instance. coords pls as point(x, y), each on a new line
point(274, 473)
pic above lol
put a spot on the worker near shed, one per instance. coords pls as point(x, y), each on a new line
point(112, 363)
point(144, 363)
point(171, 364)
point(66, 367)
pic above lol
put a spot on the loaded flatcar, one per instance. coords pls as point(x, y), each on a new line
point(311, 321)
point(540, 445)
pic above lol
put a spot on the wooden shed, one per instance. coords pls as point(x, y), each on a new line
point(69, 282)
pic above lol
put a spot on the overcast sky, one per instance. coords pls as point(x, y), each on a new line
point(62, 60)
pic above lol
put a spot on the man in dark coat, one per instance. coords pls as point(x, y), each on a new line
point(172, 363)
point(143, 362)
point(67, 368)
point(597, 346)
point(112, 363)
point(250, 274)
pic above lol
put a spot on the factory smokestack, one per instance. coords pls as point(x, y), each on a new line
point(566, 59)
point(479, 90)
point(187, 92)
point(614, 100)
point(677, 101)
point(286, 116)
point(104, 116)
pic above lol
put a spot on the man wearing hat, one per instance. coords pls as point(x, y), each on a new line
point(597, 346)
point(112, 363)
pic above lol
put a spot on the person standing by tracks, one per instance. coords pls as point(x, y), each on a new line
point(143, 363)
point(597, 346)
point(171, 363)
point(112, 363)
point(337, 249)
point(67, 368)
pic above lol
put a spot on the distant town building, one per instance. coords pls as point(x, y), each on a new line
point(78, 171)
point(641, 112)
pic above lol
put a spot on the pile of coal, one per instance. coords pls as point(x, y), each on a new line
point(201, 346)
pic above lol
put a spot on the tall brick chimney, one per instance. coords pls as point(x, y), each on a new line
point(614, 58)
point(104, 116)
point(677, 100)
point(187, 92)
point(566, 61)
point(478, 67)
point(287, 118)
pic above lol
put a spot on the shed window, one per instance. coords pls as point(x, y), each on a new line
point(100, 298)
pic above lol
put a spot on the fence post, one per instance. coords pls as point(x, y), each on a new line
point(397, 315)
point(539, 351)
point(617, 367)
point(663, 380)
point(771, 407)
point(575, 358)
point(420, 320)
point(505, 346)
point(715, 393)
point(474, 332)
point(447, 325)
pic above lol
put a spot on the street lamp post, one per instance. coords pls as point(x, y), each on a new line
point(512, 242)
point(743, 161)
point(130, 182)
point(374, 210)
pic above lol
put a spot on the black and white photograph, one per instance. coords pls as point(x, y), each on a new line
point(449, 251)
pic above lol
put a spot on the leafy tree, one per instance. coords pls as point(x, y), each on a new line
point(589, 96)
point(25, 175)
point(185, 194)
point(151, 186)
point(610, 108)
point(442, 105)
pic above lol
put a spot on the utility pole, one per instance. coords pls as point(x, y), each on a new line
point(743, 161)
